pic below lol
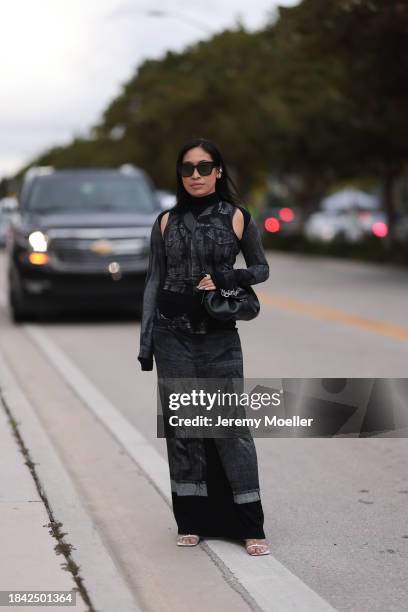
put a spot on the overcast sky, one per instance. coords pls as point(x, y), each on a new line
point(62, 61)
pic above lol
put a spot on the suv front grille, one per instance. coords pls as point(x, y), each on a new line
point(81, 253)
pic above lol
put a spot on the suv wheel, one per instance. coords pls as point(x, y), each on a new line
point(19, 310)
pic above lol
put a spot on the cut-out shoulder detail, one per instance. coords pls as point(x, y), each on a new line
point(160, 219)
point(247, 217)
point(238, 223)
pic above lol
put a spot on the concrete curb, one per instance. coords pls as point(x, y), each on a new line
point(29, 560)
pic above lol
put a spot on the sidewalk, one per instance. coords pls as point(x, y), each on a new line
point(27, 555)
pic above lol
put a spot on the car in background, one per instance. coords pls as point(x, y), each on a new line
point(80, 239)
point(347, 225)
point(280, 220)
point(349, 198)
point(7, 206)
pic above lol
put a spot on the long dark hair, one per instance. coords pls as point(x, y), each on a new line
point(224, 186)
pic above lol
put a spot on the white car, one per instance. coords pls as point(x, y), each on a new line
point(349, 225)
point(332, 225)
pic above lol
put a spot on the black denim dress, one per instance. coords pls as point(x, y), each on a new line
point(214, 481)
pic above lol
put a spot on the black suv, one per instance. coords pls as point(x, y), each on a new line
point(80, 238)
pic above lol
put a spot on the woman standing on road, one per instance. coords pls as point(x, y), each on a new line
point(214, 481)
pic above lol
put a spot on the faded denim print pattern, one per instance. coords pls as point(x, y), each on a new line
point(217, 354)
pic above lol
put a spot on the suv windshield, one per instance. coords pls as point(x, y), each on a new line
point(86, 192)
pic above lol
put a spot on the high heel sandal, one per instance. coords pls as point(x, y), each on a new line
point(182, 542)
point(264, 550)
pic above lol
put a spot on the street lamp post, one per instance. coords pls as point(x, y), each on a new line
point(160, 13)
point(126, 10)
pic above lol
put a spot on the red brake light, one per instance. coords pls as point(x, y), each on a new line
point(272, 225)
point(379, 229)
point(286, 214)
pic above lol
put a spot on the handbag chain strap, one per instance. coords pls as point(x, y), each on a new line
point(229, 292)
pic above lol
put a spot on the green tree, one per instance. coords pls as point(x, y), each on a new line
point(367, 44)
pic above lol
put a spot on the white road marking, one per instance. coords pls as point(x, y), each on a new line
point(268, 583)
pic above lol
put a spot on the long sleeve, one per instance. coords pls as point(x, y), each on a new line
point(257, 270)
point(154, 278)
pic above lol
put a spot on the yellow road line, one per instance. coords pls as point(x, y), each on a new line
point(399, 332)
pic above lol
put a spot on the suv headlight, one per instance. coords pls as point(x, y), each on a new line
point(38, 241)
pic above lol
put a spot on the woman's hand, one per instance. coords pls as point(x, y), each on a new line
point(206, 283)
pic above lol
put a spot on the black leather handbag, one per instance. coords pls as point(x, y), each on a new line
point(240, 303)
point(237, 304)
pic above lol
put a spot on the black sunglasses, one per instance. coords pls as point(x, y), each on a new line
point(204, 168)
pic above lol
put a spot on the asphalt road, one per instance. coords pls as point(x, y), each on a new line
point(335, 509)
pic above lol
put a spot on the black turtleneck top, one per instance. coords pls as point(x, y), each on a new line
point(172, 304)
point(197, 204)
